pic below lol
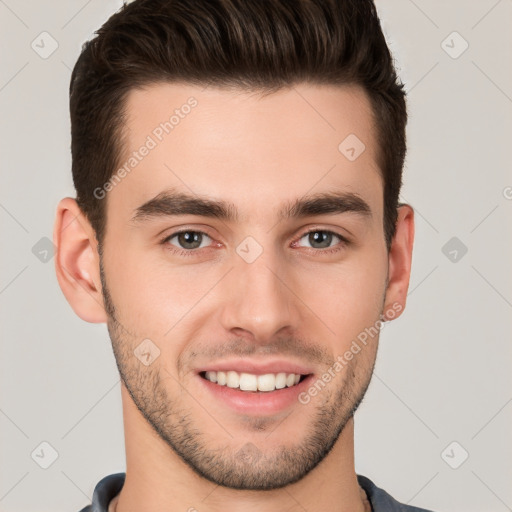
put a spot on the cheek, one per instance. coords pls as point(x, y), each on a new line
point(150, 294)
point(347, 297)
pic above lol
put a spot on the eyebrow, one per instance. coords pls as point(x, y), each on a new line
point(172, 203)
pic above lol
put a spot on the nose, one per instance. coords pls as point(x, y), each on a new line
point(261, 302)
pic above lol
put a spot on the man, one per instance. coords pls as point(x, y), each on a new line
point(237, 226)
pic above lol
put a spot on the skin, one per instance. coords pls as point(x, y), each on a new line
point(183, 447)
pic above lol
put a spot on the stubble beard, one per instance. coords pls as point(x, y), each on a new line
point(246, 466)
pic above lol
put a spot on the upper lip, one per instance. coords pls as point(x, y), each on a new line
point(257, 368)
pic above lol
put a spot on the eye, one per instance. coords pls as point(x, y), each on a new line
point(188, 239)
point(322, 239)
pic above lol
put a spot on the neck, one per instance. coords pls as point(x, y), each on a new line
point(158, 479)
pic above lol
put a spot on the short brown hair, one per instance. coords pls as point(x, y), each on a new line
point(251, 44)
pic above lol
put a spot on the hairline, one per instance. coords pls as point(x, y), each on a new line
point(232, 85)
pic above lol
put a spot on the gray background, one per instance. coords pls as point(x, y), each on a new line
point(442, 387)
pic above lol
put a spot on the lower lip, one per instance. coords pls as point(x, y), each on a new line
point(259, 402)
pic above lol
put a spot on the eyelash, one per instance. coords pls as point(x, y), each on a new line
point(192, 252)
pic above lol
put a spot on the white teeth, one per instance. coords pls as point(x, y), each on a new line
point(251, 382)
point(266, 382)
point(248, 382)
point(211, 376)
point(232, 379)
point(280, 380)
point(290, 380)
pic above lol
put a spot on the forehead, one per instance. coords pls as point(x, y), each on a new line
point(247, 147)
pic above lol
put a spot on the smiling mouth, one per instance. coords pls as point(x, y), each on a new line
point(250, 382)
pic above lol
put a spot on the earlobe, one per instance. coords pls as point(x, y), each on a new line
point(399, 263)
point(77, 262)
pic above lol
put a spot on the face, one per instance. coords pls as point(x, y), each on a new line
point(244, 243)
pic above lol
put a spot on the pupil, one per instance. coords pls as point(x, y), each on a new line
point(190, 238)
point(320, 237)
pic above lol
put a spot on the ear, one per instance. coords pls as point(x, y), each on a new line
point(77, 262)
point(399, 263)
